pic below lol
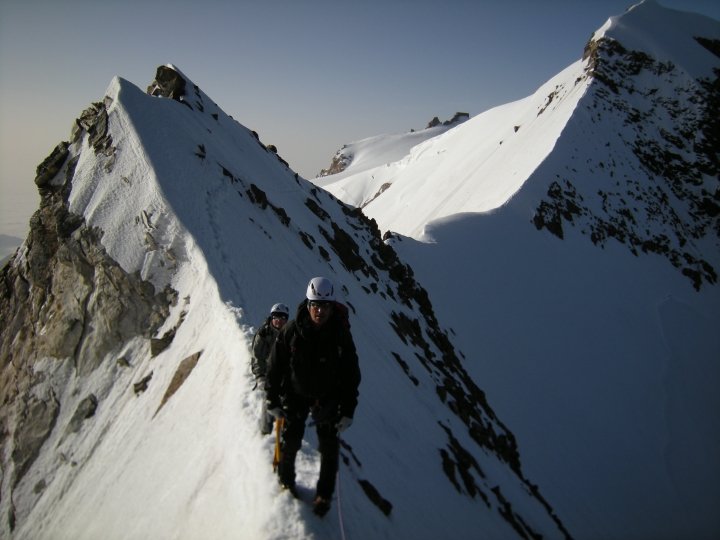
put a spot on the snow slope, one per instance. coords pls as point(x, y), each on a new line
point(596, 346)
point(375, 152)
point(187, 197)
point(473, 167)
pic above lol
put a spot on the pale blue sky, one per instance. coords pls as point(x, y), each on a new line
point(308, 76)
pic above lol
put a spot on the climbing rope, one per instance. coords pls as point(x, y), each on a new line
point(279, 423)
point(339, 503)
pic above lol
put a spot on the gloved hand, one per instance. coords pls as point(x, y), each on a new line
point(276, 411)
point(344, 423)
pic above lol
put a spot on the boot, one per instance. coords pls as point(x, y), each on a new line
point(321, 506)
point(286, 473)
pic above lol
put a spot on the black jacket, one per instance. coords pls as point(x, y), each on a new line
point(310, 364)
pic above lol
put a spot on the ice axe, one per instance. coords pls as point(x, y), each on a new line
point(279, 424)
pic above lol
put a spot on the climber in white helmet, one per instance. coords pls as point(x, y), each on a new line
point(261, 347)
point(313, 369)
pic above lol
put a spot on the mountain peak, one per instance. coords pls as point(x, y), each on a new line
point(166, 231)
point(643, 97)
point(457, 118)
point(646, 27)
point(373, 151)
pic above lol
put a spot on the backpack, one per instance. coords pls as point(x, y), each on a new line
point(340, 311)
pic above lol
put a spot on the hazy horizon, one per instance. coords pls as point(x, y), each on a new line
point(308, 77)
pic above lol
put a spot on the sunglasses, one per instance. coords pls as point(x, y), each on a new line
point(319, 304)
point(279, 316)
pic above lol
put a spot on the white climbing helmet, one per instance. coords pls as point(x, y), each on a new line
point(320, 288)
point(280, 308)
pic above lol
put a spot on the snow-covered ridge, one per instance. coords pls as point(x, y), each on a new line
point(174, 195)
point(475, 166)
point(649, 115)
point(667, 35)
point(384, 149)
point(651, 181)
point(589, 289)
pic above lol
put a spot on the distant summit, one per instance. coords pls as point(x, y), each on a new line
point(382, 149)
point(622, 146)
point(654, 117)
point(458, 118)
point(339, 163)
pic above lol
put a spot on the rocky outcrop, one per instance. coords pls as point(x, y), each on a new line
point(457, 118)
point(168, 83)
point(182, 372)
point(672, 206)
point(36, 419)
point(65, 305)
point(344, 157)
point(340, 161)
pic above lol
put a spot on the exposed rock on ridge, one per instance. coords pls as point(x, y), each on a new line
point(457, 118)
point(73, 307)
point(676, 147)
point(65, 305)
point(344, 157)
point(340, 161)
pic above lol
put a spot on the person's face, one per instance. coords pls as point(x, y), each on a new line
point(278, 320)
point(319, 311)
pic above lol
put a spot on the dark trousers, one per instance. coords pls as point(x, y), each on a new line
point(329, 447)
point(266, 419)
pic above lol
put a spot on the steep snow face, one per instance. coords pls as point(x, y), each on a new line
point(648, 176)
point(183, 196)
point(604, 363)
point(584, 291)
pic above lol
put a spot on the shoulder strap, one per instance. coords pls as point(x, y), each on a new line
point(341, 312)
point(291, 328)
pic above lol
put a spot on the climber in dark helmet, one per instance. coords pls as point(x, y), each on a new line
point(313, 369)
point(261, 347)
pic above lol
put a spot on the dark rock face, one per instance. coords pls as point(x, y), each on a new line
point(340, 161)
point(94, 121)
point(65, 303)
point(457, 118)
point(86, 409)
point(35, 421)
point(671, 125)
point(51, 165)
point(182, 372)
point(168, 83)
